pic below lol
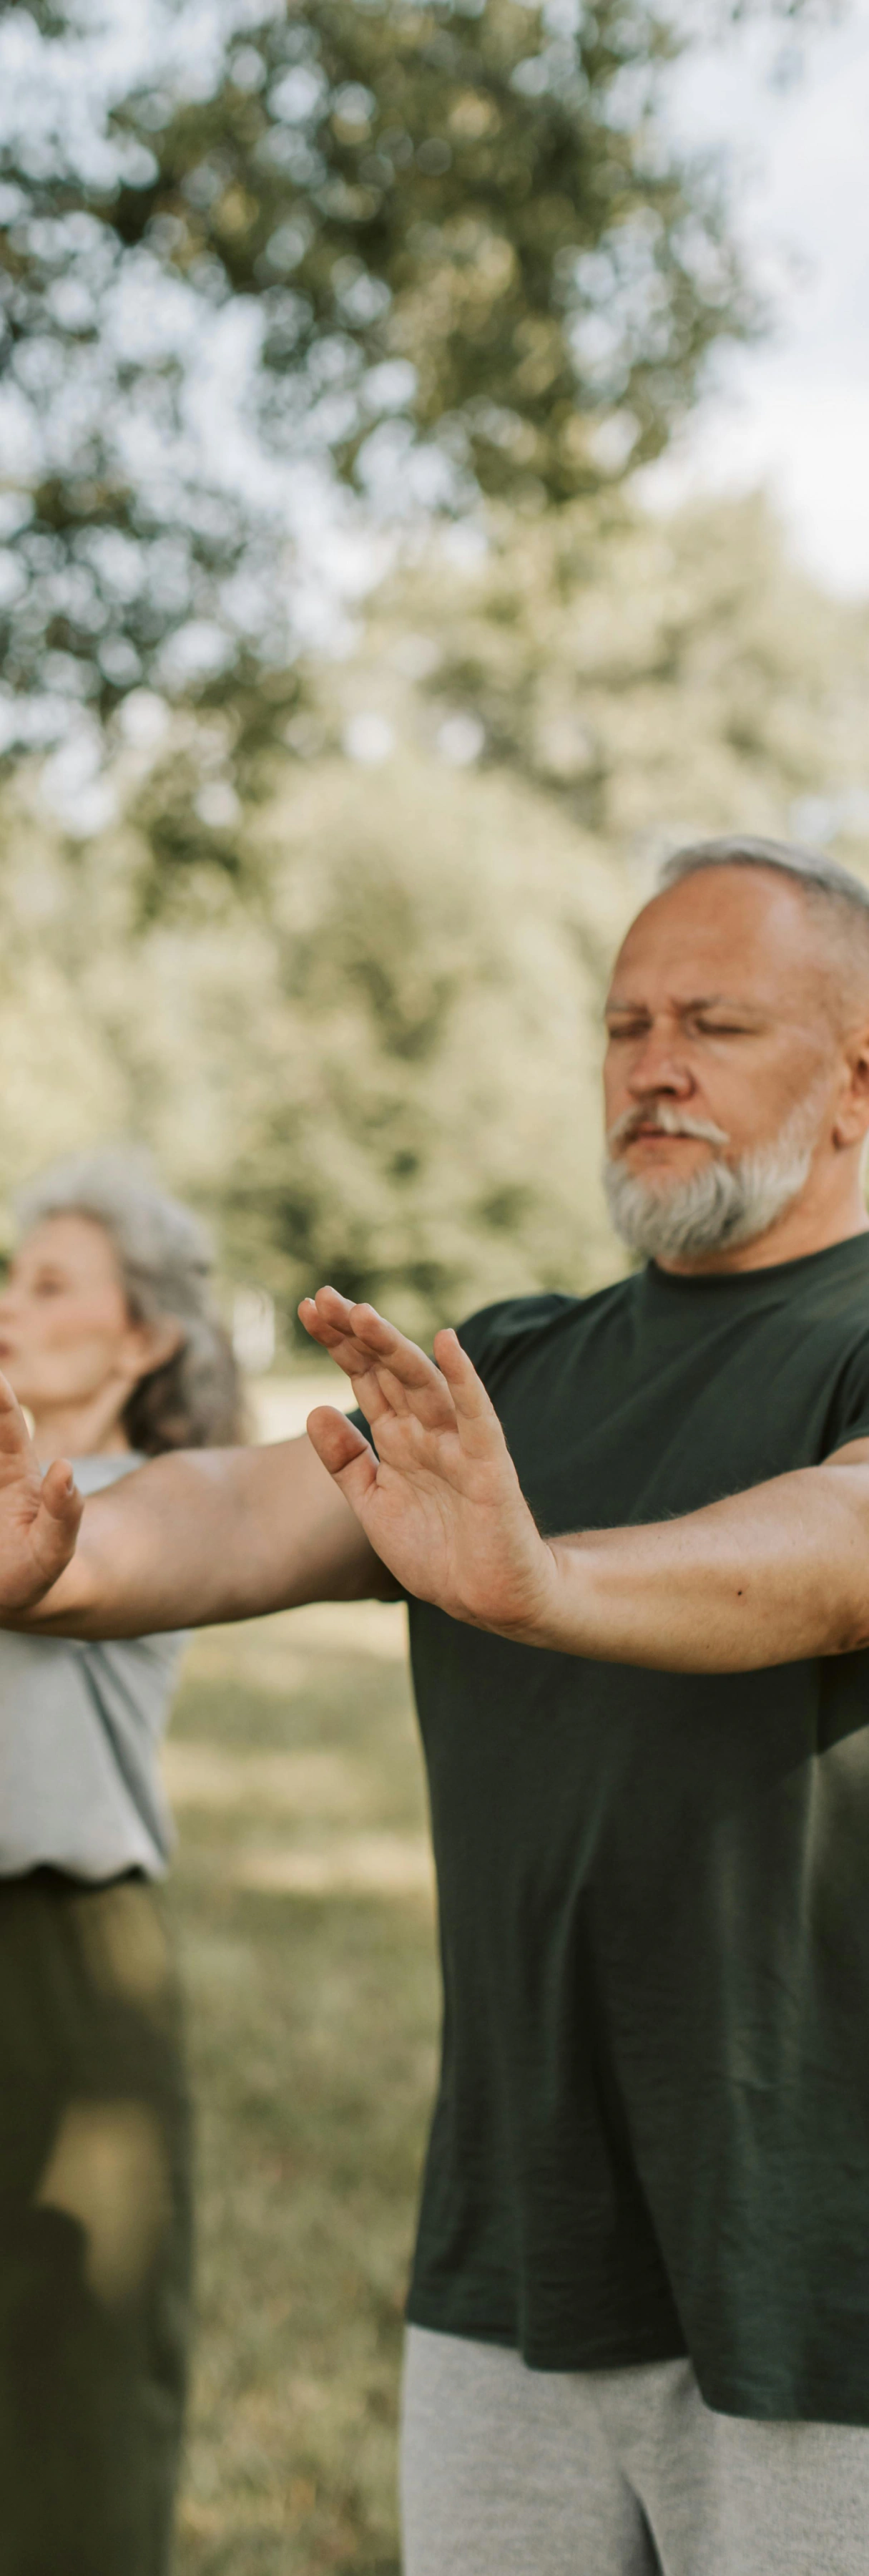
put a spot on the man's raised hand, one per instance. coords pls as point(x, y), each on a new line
point(441, 1502)
point(39, 1515)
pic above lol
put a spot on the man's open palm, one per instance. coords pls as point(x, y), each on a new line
point(441, 1502)
point(39, 1515)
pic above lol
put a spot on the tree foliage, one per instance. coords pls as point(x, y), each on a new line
point(446, 245)
point(651, 677)
point(371, 1051)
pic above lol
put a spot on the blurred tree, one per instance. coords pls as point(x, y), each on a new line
point(652, 676)
point(372, 1053)
point(371, 1068)
point(446, 247)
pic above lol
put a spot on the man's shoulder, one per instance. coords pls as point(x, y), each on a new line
point(512, 1324)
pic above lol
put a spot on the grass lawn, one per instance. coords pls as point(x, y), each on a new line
point(303, 1903)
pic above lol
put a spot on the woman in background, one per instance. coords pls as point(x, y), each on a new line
point(109, 1337)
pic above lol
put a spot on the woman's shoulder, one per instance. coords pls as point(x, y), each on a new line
point(92, 1474)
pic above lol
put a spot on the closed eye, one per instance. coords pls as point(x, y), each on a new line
point(723, 1029)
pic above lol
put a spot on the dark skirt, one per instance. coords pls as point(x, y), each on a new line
point(95, 2229)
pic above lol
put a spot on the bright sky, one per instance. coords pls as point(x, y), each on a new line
point(794, 414)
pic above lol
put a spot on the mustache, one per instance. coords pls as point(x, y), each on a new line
point(664, 1120)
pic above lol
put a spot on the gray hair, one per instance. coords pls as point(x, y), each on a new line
point(837, 895)
point(193, 1401)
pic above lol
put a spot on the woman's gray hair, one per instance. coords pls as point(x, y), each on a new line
point(194, 1401)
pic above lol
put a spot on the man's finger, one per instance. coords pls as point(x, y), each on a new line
point(468, 1393)
point(348, 1457)
point(393, 1373)
point(405, 1359)
point(337, 1441)
point(370, 1333)
point(327, 1318)
point(410, 1380)
point(356, 1363)
point(307, 1314)
point(324, 1325)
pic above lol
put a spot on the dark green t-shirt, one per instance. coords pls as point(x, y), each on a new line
point(652, 2129)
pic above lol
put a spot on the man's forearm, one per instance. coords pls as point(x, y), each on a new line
point(208, 1535)
point(767, 1577)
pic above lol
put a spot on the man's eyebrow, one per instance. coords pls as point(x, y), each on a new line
point(698, 1002)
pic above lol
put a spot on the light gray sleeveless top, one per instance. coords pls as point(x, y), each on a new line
point(80, 1727)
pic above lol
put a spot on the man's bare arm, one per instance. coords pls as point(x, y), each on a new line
point(206, 1535)
point(767, 1577)
point(772, 1576)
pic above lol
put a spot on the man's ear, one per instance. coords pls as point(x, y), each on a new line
point(852, 1117)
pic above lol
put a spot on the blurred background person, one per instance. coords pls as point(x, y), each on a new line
point(110, 1338)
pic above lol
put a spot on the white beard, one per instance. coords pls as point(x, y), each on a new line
point(722, 1203)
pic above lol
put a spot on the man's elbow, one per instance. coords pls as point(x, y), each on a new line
point(852, 1629)
point(849, 1615)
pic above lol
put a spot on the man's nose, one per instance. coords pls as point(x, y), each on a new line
point(660, 1067)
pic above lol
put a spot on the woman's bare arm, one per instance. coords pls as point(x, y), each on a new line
point(197, 1536)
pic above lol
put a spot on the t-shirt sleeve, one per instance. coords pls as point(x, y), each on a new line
point(488, 1335)
point(464, 1330)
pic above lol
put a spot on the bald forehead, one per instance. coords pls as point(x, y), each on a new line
point(744, 933)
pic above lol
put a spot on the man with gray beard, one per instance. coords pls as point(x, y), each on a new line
point(633, 1533)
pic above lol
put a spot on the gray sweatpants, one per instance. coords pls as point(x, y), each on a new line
point(514, 2472)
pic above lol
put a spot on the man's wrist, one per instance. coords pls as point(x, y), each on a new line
point(570, 1620)
point(552, 1606)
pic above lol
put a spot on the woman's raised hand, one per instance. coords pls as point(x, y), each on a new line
point(441, 1502)
point(39, 1514)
